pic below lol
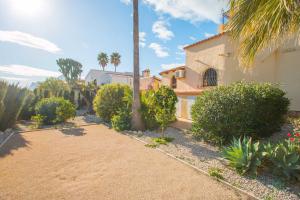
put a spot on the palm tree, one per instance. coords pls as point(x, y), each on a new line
point(103, 60)
point(258, 24)
point(115, 59)
point(136, 105)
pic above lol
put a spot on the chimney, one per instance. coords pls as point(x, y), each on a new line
point(225, 15)
point(146, 73)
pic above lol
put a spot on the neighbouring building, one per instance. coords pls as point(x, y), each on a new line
point(106, 77)
point(148, 82)
point(100, 77)
point(213, 61)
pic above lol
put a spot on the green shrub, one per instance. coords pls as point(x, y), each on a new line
point(53, 87)
point(55, 110)
point(216, 172)
point(162, 140)
point(38, 120)
point(243, 155)
point(148, 109)
point(250, 109)
point(121, 121)
point(165, 101)
point(11, 102)
point(284, 158)
point(29, 105)
point(111, 99)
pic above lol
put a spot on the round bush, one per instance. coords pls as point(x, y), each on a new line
point(111, 99)
point(55, 110)
point(250, 109)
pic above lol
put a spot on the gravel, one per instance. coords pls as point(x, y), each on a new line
point(204, 156)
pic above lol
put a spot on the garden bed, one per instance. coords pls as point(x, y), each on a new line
point(207, 157)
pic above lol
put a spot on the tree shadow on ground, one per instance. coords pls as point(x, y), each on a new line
point(14, 143)
point(73, 131)
point(92, 119)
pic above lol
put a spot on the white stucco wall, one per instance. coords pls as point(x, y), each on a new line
point(103, 77)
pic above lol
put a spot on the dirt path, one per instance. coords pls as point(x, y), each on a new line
point(97, 163)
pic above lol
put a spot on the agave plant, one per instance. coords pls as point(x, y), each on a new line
point(243, 155)
point(285, 158)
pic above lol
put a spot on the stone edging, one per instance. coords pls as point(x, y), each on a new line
point(6, 139)
point(198, 169)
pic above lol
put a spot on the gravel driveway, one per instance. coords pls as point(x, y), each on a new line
point(94, 162)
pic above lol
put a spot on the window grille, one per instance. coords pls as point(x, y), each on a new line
point(210, 78)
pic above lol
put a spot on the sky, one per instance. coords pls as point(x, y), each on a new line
point(35, 33)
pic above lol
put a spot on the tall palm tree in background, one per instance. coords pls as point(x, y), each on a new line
point(103, 60)
point(136, 105)
point(115, 59)
point(258, 24)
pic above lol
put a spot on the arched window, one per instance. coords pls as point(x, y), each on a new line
point(173, 82)
point(210, 78)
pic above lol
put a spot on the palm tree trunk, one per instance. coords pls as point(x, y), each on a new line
point(136, 122)
point(115, 69)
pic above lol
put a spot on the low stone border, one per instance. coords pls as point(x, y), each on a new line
point(5, 136)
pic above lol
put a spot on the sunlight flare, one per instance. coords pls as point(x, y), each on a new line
point(28, 7)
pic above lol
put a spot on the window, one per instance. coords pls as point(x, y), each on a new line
point(173, 82)
point(210, 78)
point(95, 82)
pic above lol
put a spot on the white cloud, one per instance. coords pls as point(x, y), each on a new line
point(170, 66)
point(160, 28)
point(190, 10)
point(142, 36)
point(192, 38)
point(207, 35)
point(127, 2)
point(28, 40)
point(8, 78)
point(181, 50)
point(27, 71)
point(159, 50)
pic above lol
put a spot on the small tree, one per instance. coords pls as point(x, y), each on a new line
point(70, 69)
point(54, 86)
point(103, 60)
point(115, 59)
point(165, 100)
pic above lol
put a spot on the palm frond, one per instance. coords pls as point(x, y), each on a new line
point(261, 24)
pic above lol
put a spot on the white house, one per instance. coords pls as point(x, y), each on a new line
point(107, 77)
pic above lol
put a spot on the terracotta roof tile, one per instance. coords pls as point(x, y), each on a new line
point(172, 70)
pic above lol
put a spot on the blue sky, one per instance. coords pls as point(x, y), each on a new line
point(35, 33)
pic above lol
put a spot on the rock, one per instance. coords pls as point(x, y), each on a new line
point(140, 132)
point(8, 131)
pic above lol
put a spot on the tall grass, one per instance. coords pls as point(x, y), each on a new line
point(3, 89)
point(11, 103)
